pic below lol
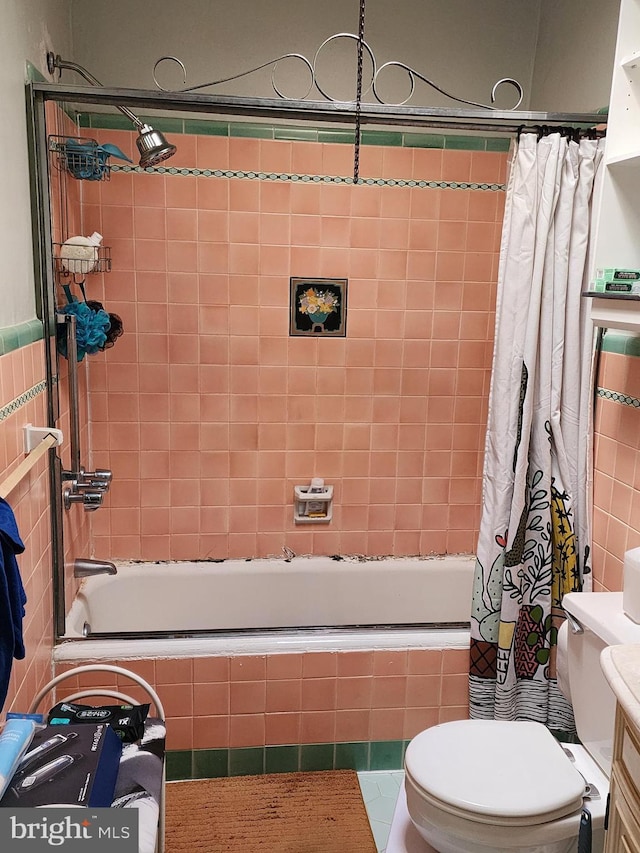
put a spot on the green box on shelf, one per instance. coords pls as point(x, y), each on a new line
point(617, 280)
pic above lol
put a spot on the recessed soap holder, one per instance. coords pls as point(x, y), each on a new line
point(313, 504)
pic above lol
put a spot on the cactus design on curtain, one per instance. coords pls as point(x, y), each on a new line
point(533, 545)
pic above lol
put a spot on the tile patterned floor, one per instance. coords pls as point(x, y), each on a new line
point(380, 791)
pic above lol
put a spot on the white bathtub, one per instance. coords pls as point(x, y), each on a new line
point(388, 603)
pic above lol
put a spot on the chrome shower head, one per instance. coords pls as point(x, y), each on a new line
point(152, 144)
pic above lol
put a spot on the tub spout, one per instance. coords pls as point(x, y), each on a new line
point(84, 568)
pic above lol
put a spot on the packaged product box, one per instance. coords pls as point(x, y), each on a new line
point(67, 765)
point(612, 280)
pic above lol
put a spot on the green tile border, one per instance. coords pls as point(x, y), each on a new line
point(289, 758)
point(14, 337)
point(622, 343)
point(260, 130)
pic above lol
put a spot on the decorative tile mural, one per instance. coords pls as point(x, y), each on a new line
point(318, 306)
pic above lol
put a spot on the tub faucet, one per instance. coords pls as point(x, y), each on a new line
point(84, 568)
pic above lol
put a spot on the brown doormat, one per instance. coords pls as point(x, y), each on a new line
point(320, 812)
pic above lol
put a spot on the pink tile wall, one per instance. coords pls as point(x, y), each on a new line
point(20, 370)
point(311, 697)
point(616, 512)
point(209, 413)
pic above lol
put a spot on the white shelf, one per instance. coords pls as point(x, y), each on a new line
point(610, 312)
point(631, 159)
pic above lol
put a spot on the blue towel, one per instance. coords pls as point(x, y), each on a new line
point(12, 597)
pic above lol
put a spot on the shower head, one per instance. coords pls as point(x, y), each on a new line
point(152, 144)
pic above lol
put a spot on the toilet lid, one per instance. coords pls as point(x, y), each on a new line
point(508, 770)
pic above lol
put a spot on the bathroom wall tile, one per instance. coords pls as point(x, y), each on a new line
point(317, 727)
point(210, 763)
point(282, 759)
point(282, 728)
point(244, 762)
point(317, 756)
point(385, 755)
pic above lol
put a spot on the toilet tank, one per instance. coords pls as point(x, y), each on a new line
point(603, 623)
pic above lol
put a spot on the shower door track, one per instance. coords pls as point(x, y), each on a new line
point(499, 121)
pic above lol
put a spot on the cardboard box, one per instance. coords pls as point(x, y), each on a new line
point(67, 765)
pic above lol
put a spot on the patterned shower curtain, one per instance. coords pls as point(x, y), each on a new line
point(533, 545)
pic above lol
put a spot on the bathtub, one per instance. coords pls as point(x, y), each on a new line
point(174, 609)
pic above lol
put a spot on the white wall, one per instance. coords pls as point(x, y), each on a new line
point(574, 55)
point(28, 29)
point(464, 45)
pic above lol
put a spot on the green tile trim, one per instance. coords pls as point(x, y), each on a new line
point(498, 143)
point(246, 762)
point(381, 137)
point(465, 143)
point(423, 140)
point(616, 397)
point(200, 127)
point(209, 763)
point(623, 343)
point(252, 131)
point(179, 765)
point(317, 756)
point(22, 400)
point(352, 756)
point(263, 130)
point(289, 758)
point(281, 759)
point(14, 337)
point(339, 136)
point(386, 755)
point(296, 134)
point(33, 74)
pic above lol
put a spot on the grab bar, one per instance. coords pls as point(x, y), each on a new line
point(74, 417)
point(19, 473)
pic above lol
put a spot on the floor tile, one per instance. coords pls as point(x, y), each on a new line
point(380, 790)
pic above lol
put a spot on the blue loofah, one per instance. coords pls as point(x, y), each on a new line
point(91, 327)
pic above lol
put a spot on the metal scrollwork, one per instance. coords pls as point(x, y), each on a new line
point(311, 68)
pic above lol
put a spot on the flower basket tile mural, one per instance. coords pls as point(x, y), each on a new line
point(318, 306)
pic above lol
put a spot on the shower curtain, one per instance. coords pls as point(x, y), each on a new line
point(533, 545)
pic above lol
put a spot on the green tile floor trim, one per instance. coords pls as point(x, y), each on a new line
point(14, 337)
point(214, 763)
point(259, 130)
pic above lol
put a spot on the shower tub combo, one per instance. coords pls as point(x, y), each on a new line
point(261, 652)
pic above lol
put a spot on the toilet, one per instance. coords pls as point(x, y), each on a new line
point(486, 786)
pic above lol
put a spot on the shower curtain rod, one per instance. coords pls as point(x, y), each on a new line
point(498, 121)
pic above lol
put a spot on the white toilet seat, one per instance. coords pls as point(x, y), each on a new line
point(508, 811)
point(485, 771)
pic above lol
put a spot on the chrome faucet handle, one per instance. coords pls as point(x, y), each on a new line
point(90, 500)
point(99, 479)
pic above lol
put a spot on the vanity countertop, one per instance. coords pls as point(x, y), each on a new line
point(621, 666)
